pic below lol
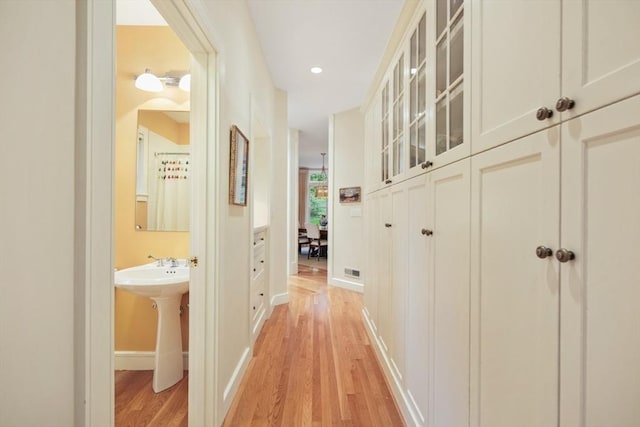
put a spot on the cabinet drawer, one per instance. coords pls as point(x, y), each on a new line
point(259, 238)
point(259, 261)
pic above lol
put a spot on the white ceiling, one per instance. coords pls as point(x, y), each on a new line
point(347, 38)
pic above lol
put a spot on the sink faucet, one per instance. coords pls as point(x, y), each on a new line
point(160, 261)
point(173, 262)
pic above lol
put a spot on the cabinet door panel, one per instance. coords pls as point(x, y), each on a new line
point(398, 283)
point(515, 68)
point(601, 53)
point(384, 252)
point(371, 274)
point(600, 361)
point(449, 203)
point(417, 301)
point(514, 294)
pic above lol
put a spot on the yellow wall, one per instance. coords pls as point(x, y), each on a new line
point(160, 50)
point(163, 125)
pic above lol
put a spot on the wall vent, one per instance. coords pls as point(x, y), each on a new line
point(352, 272)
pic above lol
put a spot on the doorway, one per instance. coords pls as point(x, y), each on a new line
point(181, 244)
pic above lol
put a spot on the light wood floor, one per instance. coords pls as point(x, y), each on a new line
point(138, 406)
point(313, 365)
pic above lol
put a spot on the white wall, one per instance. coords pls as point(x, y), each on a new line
point(37, 203)
point(245, 86)
point(346, 226)
point(293, 152)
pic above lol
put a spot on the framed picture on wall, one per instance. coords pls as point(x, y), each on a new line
point(238, 167)
point(350, 195)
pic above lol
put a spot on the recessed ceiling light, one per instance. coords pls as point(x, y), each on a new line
point(316, 70)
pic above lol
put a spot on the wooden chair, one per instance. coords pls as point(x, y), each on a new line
point(303, 240)
point(316, 243)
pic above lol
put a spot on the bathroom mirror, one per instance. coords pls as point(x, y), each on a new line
point(163, 171)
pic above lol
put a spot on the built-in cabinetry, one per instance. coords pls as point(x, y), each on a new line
point(536, 63)
point(555, 273)
point(419, 114)
point(503, 282)
point(259, 274)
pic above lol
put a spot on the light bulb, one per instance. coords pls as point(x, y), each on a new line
point(185, 83)
point(149, 82)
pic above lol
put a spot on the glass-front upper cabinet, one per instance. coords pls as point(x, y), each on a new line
point(417, 93)
point(449, 88)
point(384, 129)
point(398, 116)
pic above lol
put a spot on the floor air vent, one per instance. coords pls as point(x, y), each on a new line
point(352, 272)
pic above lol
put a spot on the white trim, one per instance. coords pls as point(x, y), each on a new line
point(236, 378)
point(279, 299)
point(95, 143)
point(347, 284)
point(203, 322)
point(141, 360)
point(401, 398)
point(293, 266)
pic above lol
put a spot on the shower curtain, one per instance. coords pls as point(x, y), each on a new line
point(169, 185)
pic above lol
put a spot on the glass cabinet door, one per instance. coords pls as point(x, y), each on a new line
point(384, 129)
point(398, 117)
point(449, 100)
point(417, 94)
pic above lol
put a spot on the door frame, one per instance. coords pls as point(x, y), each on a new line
point(94, 256)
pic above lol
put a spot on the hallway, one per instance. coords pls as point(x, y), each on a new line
point(313, 364)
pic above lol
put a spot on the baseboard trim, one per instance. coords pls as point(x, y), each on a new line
point(234, 382)
point(347, 284)
point(401, 398)
point(280, 299)
point(141, 360)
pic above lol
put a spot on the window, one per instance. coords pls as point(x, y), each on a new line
point(317, 206)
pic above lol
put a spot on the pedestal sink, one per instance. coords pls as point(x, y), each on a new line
point(164, 285)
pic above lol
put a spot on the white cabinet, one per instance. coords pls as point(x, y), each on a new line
point(419, 119)
point(520, 303)
point(396, 226)
point(541, 323)
point(600, 52)
point(257, 287)
point(448, 202)
point(420, 303)
point(515, 295)
point(418, 308)
point(527, 55)
point(600, 288)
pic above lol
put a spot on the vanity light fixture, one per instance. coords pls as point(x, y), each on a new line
point(316, 70)
point(149, 82)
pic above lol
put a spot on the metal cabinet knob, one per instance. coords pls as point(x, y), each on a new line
point(388, 181)
point(427, 164)
point(426, 232)
point(543, 252)
point(564, 104)
point(387, 225)
point(543, 113)
point(564, 255)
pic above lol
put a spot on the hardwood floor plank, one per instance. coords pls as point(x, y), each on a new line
point(313, 364)
point(136, 404)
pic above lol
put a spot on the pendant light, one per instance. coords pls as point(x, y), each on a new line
point(322, 191)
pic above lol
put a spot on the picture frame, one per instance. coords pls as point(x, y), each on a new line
point(238, 167)
point(350, 194)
